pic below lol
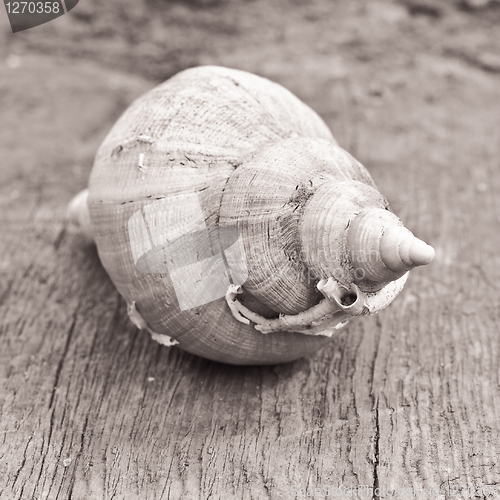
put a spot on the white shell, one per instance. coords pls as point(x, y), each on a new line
point(209, 195)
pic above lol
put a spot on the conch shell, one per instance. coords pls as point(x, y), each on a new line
point(234, 225)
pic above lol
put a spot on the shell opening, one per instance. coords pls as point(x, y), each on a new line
point(348, 299)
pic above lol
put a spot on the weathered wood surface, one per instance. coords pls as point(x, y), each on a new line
point(92, 408)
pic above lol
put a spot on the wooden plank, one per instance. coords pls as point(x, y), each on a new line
point(92, 408)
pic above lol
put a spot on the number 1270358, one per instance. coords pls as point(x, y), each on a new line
point(33, 7)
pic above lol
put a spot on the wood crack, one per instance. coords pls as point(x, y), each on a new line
point(376, 483)
point(61, 361)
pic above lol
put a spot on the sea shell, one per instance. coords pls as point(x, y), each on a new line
point(234, 225)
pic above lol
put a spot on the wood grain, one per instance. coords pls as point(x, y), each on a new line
point(92, 408)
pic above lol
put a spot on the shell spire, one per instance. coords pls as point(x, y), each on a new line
point(382, 249)
point(400, 248)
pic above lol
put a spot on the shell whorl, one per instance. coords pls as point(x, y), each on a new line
point(275, 201)
point(348, 232)
point(325, 227)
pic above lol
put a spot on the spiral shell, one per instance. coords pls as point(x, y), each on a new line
point(219, 202)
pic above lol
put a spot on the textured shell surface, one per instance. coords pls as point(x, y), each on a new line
point(221, 164)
